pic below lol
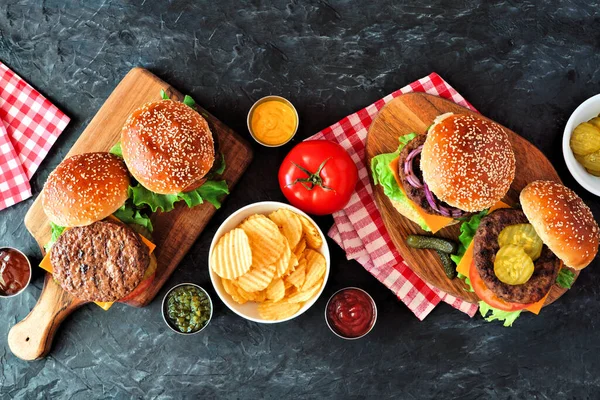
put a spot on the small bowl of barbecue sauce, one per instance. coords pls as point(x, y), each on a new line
point(15, 272)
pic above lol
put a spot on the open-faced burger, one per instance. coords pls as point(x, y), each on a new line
point(517, 255)
point(464, 164)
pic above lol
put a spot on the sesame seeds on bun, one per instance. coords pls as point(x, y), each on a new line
point(563, 222)
point(468, 161)
point(167, 146)
point(85, 188)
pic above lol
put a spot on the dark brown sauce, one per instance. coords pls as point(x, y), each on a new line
point(14, 272)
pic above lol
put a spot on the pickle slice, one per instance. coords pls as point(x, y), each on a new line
point(595, 121)
point(512, 265)
point(585, 139)
point(524, 236)
point(591, 161)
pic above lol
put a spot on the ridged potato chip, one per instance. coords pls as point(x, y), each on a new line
point(232, 255)
point(283, 262)
point(289, 224)
point(315, 268)
point(311, 233)
point(297, 277)
point(232, 290)
point(300, 296)
point(292, 265)
point(257, 279)
point(276, 311)
point(266, 242)
point(276, 290)
point(300, 247)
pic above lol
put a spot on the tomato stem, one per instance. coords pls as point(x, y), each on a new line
point(313, 179)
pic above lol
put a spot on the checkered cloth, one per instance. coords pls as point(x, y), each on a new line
point(29, 126)
point(359, 228)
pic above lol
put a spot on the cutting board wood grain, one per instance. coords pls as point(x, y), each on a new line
point(415, 112)
point(174, 232)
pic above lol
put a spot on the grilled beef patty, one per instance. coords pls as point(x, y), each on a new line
point(103, 261)
point(485, 247)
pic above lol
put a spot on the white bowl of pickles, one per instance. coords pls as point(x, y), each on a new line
point(581, 144)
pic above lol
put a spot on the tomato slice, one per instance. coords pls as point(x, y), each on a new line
point(485, 294)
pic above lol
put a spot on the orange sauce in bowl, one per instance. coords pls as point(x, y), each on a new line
point(273, 122)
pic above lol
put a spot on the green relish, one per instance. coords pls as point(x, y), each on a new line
point(188, 309)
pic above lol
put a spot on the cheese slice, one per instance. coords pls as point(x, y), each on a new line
point(433, 222)
point(46, 265)
point(465, 265)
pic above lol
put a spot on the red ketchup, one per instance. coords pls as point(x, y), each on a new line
point(14, 272)
point(351, 313)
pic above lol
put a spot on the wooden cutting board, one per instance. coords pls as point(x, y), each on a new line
point(415, 112)
point(174, 232)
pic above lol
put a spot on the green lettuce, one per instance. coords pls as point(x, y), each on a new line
point(467, 232)
point(508, 317)
point(116, 150)
point(565, 278)
point(383, 176)
point(211, 191)
point(57, 230)
point(129, 215)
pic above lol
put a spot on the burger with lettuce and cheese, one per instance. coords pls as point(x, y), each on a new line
point(463, 164)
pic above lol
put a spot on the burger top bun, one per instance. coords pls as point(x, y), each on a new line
point(85, 188)
point(563, 222)
point(467, 161)
point(167, 146)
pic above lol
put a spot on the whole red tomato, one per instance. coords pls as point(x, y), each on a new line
point(318, 177)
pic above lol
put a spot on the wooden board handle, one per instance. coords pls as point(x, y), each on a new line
point(32, 338)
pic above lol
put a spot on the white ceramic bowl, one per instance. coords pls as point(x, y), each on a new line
point(586, 111)
point(249, 310)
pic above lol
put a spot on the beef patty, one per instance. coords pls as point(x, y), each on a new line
point(103, 261)
point(485, 247)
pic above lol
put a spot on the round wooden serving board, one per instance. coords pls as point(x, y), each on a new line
point(415, 112)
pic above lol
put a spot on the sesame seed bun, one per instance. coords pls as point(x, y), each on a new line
point(467, 161)
point(85, 188)
point(167, 146)
point(563, 222)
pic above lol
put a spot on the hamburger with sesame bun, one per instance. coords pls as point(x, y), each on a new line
point(168, 147)
point(95, 252)
point(462, 165)
point(518, 255)
point(172, 155)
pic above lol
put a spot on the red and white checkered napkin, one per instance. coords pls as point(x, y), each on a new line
point(29, 126)
point(359, 228)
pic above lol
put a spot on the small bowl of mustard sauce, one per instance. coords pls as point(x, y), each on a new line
point(273, 121)
point(15, 272)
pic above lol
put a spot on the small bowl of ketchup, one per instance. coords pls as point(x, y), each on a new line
point(15, 272)
point(351, 313)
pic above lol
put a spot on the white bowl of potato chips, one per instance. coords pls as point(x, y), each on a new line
point(269, 262)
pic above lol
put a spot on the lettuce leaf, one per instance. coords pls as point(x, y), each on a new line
point(382, 175)
point(467, 232)
point(116, 150)
point(565, 278)
point(508, 317)
point(211, 191)
point(129, 215)
point(57, 230)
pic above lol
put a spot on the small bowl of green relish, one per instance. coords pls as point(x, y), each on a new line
point(187, 308)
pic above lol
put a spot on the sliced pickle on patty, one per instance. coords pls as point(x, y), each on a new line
point(522, 235)
point(585, 139)
point(512, 265)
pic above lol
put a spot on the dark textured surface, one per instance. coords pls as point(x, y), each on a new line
point(525, 65)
